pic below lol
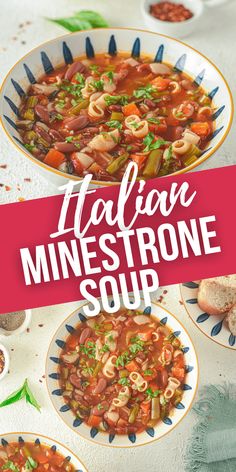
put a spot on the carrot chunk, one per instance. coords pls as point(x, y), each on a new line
point(132, 366)
point(160, 83)
point(131, 109)
point(201, 128)
point(54, 158)
point(94, 421)
point(139, 159)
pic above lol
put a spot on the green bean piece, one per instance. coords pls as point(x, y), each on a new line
point(30, 136)
point(65, 373)
point(153, 163)
point(77, 108)
point(164, 411)
point(29, 114)
point(123, 373)
point(69, 387)
point(133, 414)
point(97, 369)
point(74, 404)
point(188, 160)
point(43, 142)
point(117, 163)
point(116, 116)
point(32, 101)
point(155, 412)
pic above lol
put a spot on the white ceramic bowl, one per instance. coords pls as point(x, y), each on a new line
point(7, 361)
point(161, 48)
point(38, 438)
point(21, 329)
point(151, 434)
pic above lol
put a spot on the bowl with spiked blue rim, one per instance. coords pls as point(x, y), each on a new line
point(39, 441)
point(99, 435)
point(215, 327)
point(63, 50)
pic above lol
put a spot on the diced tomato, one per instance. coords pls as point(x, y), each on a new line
point(132, 366)
point(41, 458)
point(161, 83)
point(94, 421)
point(54, 158)
point(139, 159)
point(131, 109)
point(146, 336)
point(201, 128)
point(72, 342)
point(171, 121)
point(178, 373)
point(145, 407)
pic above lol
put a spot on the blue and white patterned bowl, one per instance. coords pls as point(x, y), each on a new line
point(151, 434)
point(38, 438)
point(214, 327)
point(48, 56)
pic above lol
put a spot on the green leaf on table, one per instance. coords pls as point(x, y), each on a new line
point(82, 20)
point(23, 392)
point(30, 398)
point(93, 17)
point(72, 24)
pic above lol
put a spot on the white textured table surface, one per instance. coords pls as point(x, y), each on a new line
point(217, 40)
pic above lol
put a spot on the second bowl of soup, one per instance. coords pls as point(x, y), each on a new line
point(92, 102)
point(122, 379)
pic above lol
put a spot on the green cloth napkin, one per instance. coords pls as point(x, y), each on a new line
point(212, 447)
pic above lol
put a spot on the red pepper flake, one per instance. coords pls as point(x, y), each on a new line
point(172, 12)
point(180, 302)
point(7, 188)
point(27, 179)
point(165, 292)
point(1, 185)
point(3, 166)
point(28, 330)
point(2, 361)
point(21, 199)
point(40, 325)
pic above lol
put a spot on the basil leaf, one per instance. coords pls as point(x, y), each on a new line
point(30, 398)
point(13, 397)
point(72, 24)
point(93, 17)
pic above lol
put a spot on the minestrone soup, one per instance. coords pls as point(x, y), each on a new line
point(122, 373)
point(95, 116)
point(28, 456)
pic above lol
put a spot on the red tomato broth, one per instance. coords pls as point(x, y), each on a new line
point(56, 116)
point(21, 456)
point(134, 394)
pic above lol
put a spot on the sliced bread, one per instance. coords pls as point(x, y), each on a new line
point(231, 320)
point(217, 295)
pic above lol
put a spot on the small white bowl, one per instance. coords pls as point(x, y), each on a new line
point(7, 361)
point(177, 29)
point(21, 329)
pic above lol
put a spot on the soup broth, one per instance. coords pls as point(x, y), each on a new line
point(95, 116)
point(122, 373)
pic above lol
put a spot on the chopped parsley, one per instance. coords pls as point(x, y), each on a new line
point(74, 89)
point(114, 124)
point(148, 372)
point(114, 99)
point(124, 381)
point(122, 359)
point(89, 349)
point(150, 143)
point(10, 465)
point(29, 147)
point(58, 116)
point(152, 394)
point(98, 84)
point(144, 91)
point(137, 345)
point(68, 139)
point(153, 120)
point(105, 348)
point(94, 68)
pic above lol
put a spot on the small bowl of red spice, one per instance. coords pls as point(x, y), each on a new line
point(4, 361)
point(175, 18)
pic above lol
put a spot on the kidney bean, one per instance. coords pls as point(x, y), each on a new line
point(101, 385)
point(115, 108)
point(42, 113)
point(65, 147)
point(150, 104)
point(43, 133)
point(90, 130)
point(76, 381)
point(177, 133)
point(164, 377)
point(77, 66)
point(77, 123)
point(103, 406)
point(143, 68)
point(55, 135)
point(84, 335)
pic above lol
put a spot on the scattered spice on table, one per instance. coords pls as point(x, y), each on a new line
point(2, 361)
point(3, 166)
point(172, 12)
point(12, 321)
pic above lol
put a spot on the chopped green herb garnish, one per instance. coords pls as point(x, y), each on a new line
point(154, 120)
point(68, 139)
point(58, 116)
point(150, 143)
point(10, 465)
point(29, 147)
point(114, 124)
point(144, 91)
point(124, 381)
point(122, 359)
point(94, 68)
point(89, 350)
point(98, 84)
point(148, 372)
point(114, 99)
point(152, 394)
